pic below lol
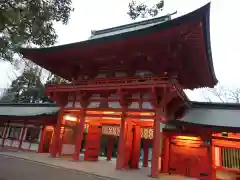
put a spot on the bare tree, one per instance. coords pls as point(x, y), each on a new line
point(222, 94)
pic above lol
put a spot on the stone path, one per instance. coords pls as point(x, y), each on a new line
point(101, 169)
point(18, 169)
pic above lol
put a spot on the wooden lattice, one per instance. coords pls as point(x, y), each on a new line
point(111, 130)
point(146, 133)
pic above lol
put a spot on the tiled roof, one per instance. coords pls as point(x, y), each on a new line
point(129, 27)
point(213, 114)
point(27, 109)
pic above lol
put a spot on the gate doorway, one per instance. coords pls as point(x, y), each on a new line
point(47, 139)
point(67, 140)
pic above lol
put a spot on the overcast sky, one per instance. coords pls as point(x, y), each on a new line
point(224, 26)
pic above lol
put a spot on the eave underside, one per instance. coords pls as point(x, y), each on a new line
point(179, 48)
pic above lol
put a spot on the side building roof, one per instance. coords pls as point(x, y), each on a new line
point(221, 115)
point(24, 110)
point(224, 115)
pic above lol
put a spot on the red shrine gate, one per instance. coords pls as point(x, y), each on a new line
point(130, 119)
point(136, 75)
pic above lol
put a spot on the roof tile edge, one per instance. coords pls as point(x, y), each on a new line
point(103, 32)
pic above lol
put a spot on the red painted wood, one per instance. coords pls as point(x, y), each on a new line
point(22, 136)
point(115, 48)
point(145, 152)
point(5, 134)
point(110, 147)
point(93, 142)
point(121, 143)
point(40, 148)
point(165, 160)
point(220, 157)
point(128, 141)
point(118, 116)
point(136, 148)
point(109, 109)
point(108, 87)
point(62, 134)
point(176, 160)
point(79, 135)
point(211, 155)
point(107, 81)
point(51, 142)
point(155, 164)
point(190, 161)
point(55, 146)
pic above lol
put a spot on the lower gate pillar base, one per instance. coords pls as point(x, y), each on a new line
point(93, 143)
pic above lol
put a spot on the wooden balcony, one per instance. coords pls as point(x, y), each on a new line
point(113, 84)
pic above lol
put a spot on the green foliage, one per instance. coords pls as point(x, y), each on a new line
point(30, 22)
point(29, 88)
point(55, 79)
point(142, 10)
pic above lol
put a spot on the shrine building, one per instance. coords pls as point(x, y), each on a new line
point(192, 146)
point(126, 85)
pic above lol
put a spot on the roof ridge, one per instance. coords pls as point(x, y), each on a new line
point(197, 104)
point(134, 24)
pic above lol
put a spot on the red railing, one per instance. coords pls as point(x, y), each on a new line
point(112, 83)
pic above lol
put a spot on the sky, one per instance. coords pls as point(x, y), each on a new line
point(95, 15)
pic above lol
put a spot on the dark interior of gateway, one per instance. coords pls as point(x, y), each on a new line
point(47, 140)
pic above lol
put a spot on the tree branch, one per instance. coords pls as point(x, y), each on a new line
point(141, 9)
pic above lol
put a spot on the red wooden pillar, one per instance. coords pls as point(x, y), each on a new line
point(136, 148)
point(165, 156)
point(22, 136)
point(155, 167)
point(63, 133)
point(51, 141)
point(56, 136)
point(128, 140)
point(121, 144)
point(110, 147)
point(40, 148)
point(80, 134)
point(212, 160)
point(5, 134)
point(145, 152)
point(93, 142)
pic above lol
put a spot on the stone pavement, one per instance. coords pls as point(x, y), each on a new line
point(18, 169)
point(101, 169)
